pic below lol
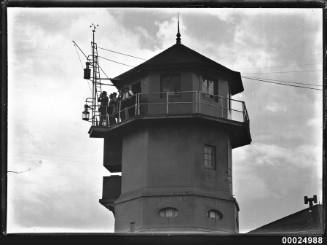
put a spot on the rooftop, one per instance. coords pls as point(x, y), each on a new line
point(178, 55)
point(308, 220)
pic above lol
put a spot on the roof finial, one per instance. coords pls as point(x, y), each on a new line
point(178, 35)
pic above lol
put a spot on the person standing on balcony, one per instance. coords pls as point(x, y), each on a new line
point(103, 99)
point(127, 103)
point(112, 108)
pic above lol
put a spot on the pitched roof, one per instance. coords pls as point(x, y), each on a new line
point(178, 55)
point(304, 221)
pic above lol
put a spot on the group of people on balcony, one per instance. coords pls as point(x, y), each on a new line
point(114, 109)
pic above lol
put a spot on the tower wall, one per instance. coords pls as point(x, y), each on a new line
point(176, 156)
point(162, 166)
point(143, 212)
point(135, 160)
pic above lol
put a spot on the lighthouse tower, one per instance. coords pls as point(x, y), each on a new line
point(172, 142)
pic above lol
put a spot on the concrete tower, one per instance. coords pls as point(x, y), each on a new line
point(172, 143)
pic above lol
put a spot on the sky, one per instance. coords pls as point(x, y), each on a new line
point(56, 169)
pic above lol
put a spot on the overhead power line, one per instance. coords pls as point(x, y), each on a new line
point(75, 45)
point(290, 82)
point(306, 64)
point(303, 64)
point(300, 64)
point(79, 57)
point(114, 61)
point(280, 72)
point(265, 80)
point(116, 52)
point(279, 83)
point(79, 49)
point(104, 73)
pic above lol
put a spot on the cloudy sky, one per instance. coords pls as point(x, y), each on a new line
point(58, 169)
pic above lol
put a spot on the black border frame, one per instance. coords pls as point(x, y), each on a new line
point(142, 238)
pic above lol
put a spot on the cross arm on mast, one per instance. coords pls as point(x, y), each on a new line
point(80, 49)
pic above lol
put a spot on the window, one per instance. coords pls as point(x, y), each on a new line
point(168, 212)
point(209, 87)
point(215, 214)
point(170, 83)
point(209, 156)
point(136, 88)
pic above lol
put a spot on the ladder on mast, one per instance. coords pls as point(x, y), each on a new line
point(96, 79)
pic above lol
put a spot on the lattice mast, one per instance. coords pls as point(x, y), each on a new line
point(96, 84)
point(92, 103)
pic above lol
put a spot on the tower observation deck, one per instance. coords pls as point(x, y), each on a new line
point(172, 141)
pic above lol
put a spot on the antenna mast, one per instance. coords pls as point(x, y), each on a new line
point(94, 71)
point(91, 103)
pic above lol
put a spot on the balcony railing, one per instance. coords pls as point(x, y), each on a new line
point(169, 104)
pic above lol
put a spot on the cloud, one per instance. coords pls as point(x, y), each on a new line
point(144, 24)
point(281, 35)
point(65, 190)
point(275, 107)
point(267, 176)
point(217, 32)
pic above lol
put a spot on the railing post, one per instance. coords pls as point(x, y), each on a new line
point(243, 109)
point(228, 105)
point(199, 102)
point(119, 111)
point(107, 117)
point(135, 105)
point(222, 105)
point(246, 112)
point(195, 98)
point(138, 103)
point(167, 109)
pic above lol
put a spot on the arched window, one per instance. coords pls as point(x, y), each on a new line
point(215, 214)
point(168, 212)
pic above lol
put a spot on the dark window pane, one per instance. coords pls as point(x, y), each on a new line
point(204, 87)
point(211, 88)
point(215, 214)
point(136, 88)
point(170, 83)
point(168, 212)
point(209, 157)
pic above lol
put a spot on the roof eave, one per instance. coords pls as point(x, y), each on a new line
point(235, 77)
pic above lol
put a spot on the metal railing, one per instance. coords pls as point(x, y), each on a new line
point(167, 104)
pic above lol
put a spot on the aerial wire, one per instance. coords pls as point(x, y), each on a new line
point(279, 83)
point(81, 65)
point(76, 46)
point(287, 82)
point(265, 80)
point(301, 64)
point(116, 52)
point(115, 61)
point(280, 72)
point(107, 77)
point(80, 49)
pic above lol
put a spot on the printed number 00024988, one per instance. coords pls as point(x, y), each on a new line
point(302, 240)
